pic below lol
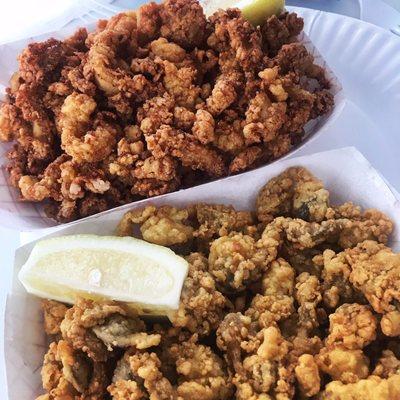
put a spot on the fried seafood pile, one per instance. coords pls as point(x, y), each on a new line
point(300, 299)
point(155, 100)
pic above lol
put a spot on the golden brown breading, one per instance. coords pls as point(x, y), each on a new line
point(337, 288)
point(165, 226)
point(280, 30)
point(184, 22)
point(308, 296)
point(219, 220)
point(203, 128)
point(370, 224)
point(186, 148)
point(81, 143)
point(54, 313)
point(267, 310)
point(265, 372)
point(201, 373)
point(179, 83)
point(224, 93)
point(145, 367)
point(120, 31)
point(69, 374)
point(148, 22)
point(307, 375)
point(232, 32)
point(372, 388)
point(96, 328)
point(352, 325)
point(341, 364)
point(237, 260)
point(375, 271)
point(39, 60)
point(295, 193)
point(156, 112)
point(246, 159)
point(202, 306)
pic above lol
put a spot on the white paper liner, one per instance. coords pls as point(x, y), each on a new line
point(346, 173)
point(26, 216)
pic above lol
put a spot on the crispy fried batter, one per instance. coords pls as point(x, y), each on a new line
point(375, 271)
point(341, 364)
point(165, 226)
point(307, 375)
point(201, 373)
point(372, 388)
point(54, 313)
point(294, 193)
point(352, 325)
point(215, 95)
point(96, 328)
point(237, 260)
point(68, 374)
point(202, 306)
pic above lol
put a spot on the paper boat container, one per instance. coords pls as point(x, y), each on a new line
point(30, 216)
point(345, 172)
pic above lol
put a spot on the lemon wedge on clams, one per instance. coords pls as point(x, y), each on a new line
point(255, 11)
point(147, 276)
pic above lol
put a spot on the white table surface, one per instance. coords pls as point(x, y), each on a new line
point(33, 17)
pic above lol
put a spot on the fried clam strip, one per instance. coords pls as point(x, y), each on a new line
point(280, 29)
point(64, 180)
point(216, 220)
point(266, 114)
point(120, 33)
point(138, 376)
point(96, 328)
point(191, 153)
point(375, 271)
point(77, 139)
point(70, 374)
point(54, 313)
point(351, 328)
point(232, 34)
point(202, 306)
point(370, 224)
point(201, 373)
point(335, 275)
point(165, 226)
point(372, 388)
point(275, 303)
point(294, 193)
point(183, 22)
point(237, 260)
point(265, 372)
point(170, 226)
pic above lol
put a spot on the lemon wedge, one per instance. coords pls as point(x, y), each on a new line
point(145, 275)
point(255, 11)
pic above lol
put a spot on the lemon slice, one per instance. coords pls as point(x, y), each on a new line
point(255, 11)
point(148, 276)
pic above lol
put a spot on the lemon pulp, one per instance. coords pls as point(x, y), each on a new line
point(118, 268)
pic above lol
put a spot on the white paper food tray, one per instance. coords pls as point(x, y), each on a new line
point(30, 216)
point(346, 173)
